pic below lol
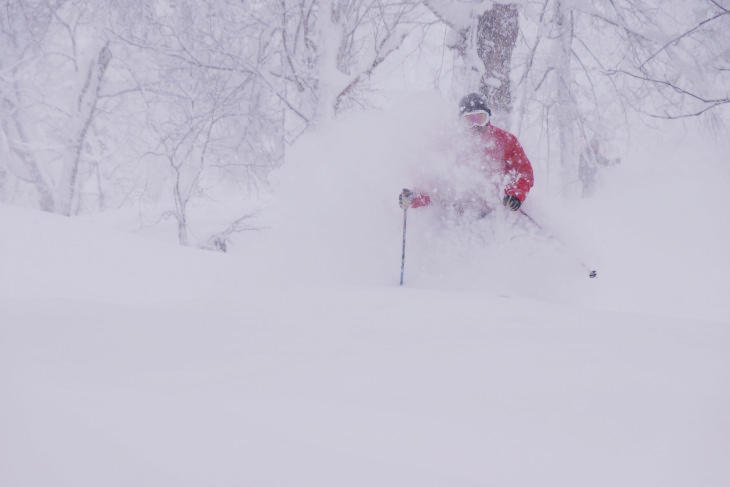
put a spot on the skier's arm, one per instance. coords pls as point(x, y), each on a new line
point(519, 167)
point(421, 199)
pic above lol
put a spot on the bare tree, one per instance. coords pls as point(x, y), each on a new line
point(87, 104)
point(689, 70)
point(213, 126)
point(22, 34)
point(330, 48)
point(583, 66)
point(228, 84)
point(53, 72)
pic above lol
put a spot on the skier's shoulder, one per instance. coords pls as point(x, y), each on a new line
point(502, 134)
point(499, 132)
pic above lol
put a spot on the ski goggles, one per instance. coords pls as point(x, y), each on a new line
point(476, 119)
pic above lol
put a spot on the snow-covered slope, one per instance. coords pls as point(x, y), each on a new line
point(359, 387)
point(296, 360)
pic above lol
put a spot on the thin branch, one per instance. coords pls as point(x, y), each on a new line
point(711, 103)
point(681, 36)
point(672, 86)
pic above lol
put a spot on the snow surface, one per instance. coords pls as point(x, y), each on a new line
point(297, 360)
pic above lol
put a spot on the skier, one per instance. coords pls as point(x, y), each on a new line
point(497, 153)
point(590, 160)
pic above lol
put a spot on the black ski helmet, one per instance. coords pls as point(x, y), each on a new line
point(473, 102)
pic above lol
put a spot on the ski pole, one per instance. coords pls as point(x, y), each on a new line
point(591, 272)
point(403, 255)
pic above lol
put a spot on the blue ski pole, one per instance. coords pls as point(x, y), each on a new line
point(591, 273)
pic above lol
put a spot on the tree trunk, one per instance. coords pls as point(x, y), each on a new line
point(566, 110)
point(485, 47)
point(181, 203)
point(327, 49)
point(497, 31)
point(45, 193)
point(86, 110)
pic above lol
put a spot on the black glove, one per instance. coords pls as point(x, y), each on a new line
point(405, 199)
point(511, 202)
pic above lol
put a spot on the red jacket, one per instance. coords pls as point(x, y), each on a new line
point(500, 147)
